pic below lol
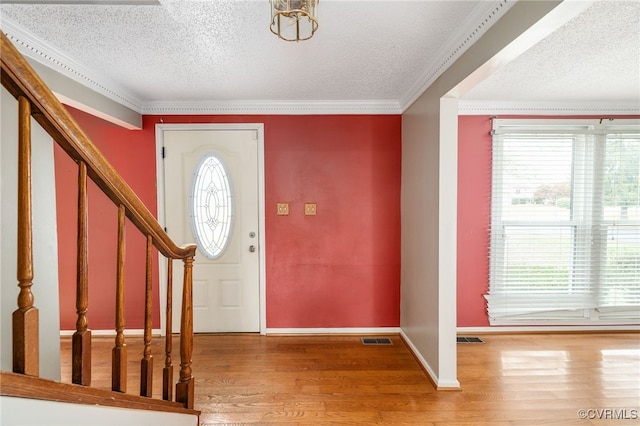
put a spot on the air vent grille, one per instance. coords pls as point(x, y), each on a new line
point(376, 341)
point(470, 340)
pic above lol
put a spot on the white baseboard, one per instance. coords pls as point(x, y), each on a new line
point(337, 330)
point(433, 377)
point(109, 333)
point(545, 329)
point(423, 362)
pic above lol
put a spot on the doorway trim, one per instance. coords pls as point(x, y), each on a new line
point(162, 262)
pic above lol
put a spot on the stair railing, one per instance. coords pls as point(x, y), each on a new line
point(36, 100)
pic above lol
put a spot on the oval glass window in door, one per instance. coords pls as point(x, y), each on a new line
point(211, 206)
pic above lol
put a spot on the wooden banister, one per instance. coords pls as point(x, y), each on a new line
point(20, 80)
point(36, 100)
point(23, 386)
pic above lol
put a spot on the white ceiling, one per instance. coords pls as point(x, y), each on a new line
point(594, 58)
point(371, 55)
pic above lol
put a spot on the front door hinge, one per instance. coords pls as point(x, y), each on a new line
point(163, 152)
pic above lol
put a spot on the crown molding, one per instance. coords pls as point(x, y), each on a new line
point(39, 50)
point(274, 108)
point(474, 107)
point(482, 18)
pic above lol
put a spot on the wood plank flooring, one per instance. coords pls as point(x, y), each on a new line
point(515, 380)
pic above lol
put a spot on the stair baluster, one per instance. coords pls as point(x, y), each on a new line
point(146, 364)
point(119, 353)
point(167, 371)
point(25, 318)
point(81, 344)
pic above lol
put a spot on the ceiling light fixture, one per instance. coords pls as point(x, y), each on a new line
point(294, 20)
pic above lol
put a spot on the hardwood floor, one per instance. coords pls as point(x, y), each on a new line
point(527, 379)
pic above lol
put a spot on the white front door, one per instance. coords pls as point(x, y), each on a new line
point(211, 198)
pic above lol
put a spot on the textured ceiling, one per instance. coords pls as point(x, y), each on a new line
point(195, 52)
point(594, 57)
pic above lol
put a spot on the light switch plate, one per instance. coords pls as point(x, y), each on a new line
point(310, 209)
point(283, 209)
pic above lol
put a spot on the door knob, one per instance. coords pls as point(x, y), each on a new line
point(252, 248)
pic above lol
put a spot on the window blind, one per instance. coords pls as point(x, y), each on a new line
point(565, 225)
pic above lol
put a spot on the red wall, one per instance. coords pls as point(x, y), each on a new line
point(136, 164)
point(474, 208)
point(340, 268)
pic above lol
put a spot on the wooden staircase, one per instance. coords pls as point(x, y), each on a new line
point(35, 100)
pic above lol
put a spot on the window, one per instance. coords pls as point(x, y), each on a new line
point(565, 225)
point(211, 206)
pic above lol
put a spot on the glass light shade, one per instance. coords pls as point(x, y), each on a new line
point(294, 20)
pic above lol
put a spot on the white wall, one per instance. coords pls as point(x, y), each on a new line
point(74, 94)
point(419, 306)
point(429, 183)
point(45, 243)
point(32, 412)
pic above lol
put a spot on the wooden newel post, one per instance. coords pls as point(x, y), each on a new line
point(81, 344)
point(25, 318)
point(185, 386)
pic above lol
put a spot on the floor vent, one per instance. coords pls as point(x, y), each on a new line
point(376, 341)
point(470, 340)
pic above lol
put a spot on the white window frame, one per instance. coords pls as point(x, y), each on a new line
point(520, 309)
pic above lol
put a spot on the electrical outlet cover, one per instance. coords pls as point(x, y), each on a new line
point(310, 209)
point(283, 209)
